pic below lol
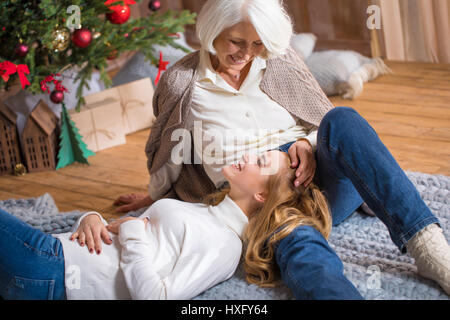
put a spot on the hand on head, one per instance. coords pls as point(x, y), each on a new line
point(303, 159)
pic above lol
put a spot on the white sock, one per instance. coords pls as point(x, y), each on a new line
point(431, 252)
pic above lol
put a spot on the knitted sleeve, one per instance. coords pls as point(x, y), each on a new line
point(289, 82)
point(166, 100)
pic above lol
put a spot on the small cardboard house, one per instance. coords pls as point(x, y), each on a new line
point(40, 139)
point(9, 140)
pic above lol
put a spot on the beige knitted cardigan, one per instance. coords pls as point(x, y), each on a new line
point(286, 80)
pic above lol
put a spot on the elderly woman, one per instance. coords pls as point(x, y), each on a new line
point(246, 78)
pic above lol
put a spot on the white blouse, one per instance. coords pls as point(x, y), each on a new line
point(185, 249)
point(233, 123)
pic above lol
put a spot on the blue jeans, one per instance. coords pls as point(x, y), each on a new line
point(353, 166)
point(31, 262)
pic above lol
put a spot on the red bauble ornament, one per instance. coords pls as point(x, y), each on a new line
point(21, 50)
point(120, 14)
point(82, 37)
point(57, 96)
point(154, 5)
point(112, 55)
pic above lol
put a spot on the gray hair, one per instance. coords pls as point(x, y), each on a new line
point(268, 17)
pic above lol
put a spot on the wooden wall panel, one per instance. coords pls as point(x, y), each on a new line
point(338, 24)
point(193, 6)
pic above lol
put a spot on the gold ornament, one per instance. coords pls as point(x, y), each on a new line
point(61, 39)
point(19, 169)
point(96, 35)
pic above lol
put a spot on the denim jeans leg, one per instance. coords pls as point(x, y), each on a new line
point(311, 268)
point(355, 150)
point(31, 262)
point(342, 196)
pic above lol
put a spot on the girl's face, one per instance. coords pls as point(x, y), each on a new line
point(250, 176)
point(237, 46)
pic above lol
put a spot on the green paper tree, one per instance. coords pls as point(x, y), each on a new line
point(71, 146)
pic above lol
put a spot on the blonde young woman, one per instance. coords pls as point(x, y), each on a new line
point(175, 250)
point(246, 77)
point(291, 214)
point(286, 209)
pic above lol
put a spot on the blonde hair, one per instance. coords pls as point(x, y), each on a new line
point(285, 208)
point(268, 17)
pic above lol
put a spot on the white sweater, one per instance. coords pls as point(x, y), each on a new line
point(241, 121)
point(185, 249)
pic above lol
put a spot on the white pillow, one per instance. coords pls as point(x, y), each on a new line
point(303, 44)
point(344, 72)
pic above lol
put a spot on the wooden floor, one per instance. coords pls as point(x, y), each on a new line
point(410, 110)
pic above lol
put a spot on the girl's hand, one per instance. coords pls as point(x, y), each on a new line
point(91, 232)
point(301, 152)
point(114, 226)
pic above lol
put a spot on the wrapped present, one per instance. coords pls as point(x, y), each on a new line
point(100, 124)
point(135, 100)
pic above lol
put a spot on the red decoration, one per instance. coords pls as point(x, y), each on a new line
point(120, 13)
point(8, 68)
point(56, 82)
point(82, 38)
point(112, 55)
point(154, 5)
point(22, 69)
point(21, 50)
point(125, 2)
point(162, 67)
point(57, 96)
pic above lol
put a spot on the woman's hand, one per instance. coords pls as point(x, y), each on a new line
point(132, 201)
point(115, 225)
point(91, 232)
point(302, 152)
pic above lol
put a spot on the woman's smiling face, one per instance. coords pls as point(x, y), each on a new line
point(251, 175)
point(237, 46)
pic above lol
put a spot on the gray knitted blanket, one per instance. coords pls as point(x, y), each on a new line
point(371, 261)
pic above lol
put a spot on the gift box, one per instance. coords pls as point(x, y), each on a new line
point(135, 99)
point(100, 123)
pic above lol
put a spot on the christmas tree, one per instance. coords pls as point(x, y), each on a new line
point(71, 146)
point(39, 39)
